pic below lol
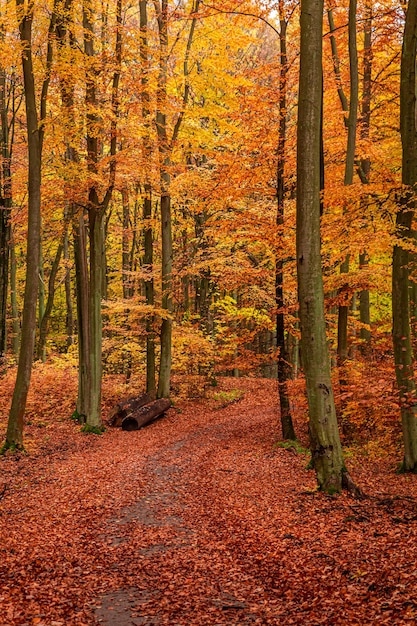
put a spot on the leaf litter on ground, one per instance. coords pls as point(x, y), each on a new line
point(198, 519)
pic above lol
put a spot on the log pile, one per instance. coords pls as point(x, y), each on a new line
point(136, 412)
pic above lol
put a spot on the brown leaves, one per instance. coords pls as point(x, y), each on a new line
point(199, 520)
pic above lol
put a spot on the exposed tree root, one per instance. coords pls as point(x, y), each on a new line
point(351, 487)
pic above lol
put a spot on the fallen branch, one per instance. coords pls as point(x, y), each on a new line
point(124, 408)
point(146, 414)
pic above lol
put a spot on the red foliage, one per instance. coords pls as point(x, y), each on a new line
point(198, 520)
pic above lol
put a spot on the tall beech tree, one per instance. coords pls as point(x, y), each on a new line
point(147, 205)
point(5, 203)
point(14, 435)
point(326, 449)
point(351, 124)
point(166, 144)
point(365, 166)
point(401, 331)
point(66, 49)
point(287, 426)
point(90, 403)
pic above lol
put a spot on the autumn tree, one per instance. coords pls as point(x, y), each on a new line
point(148, 255)
point(327, 456)
point(403, 352)
point(365, 166)
point(14, 436)
point(96, 209)
point(351, 124)
point(166, 142)
point(288, 431)
point(5, 199)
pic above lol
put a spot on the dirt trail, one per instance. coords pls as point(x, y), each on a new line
point(187, 572)
point(199, 520)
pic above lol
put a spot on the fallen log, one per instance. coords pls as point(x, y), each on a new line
point(126, 407)
point(146, 414)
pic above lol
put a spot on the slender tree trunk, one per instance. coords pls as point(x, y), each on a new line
point(336, 64)
point(165, 150)
point(165, 204)
point(69, 319)
point(83, 316)
point(126, 265)
point(13, 298)
point(96, 209)
point(44, 321)
point(147, 208)
point(365, 168)
point(14, 436)
point(343, 313)
point(66, 45)
point(284, 374)
point(95, 221)
point(403, 352)
point(364, 308)
point(342, 316)
point(327, 457)
point(41, 295)
point(5, 209)
point(149, 295)
point(95, 232)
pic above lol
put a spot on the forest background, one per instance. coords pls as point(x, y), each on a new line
point(162, 201)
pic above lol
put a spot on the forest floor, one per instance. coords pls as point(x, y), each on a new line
point(198, 519)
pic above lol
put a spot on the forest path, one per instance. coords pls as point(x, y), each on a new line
point(189, 534)
point(199, 520)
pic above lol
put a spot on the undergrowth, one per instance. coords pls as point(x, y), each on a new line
point(224, 398)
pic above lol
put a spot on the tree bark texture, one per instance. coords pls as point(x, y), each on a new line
point(325, 444)
point(351, 124)
point(44, 320)
point(365, 167)
point(146, 414)
point(165, 203)
point(147, 207)
point(13, 298)
point(14, 436)
point(126, 407)
point(165, 150)
point(284, 368)
point(403, 352)
point(5, 209)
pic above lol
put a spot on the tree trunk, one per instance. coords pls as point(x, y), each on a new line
point(364, 308)
point(96, 210)
point(44, 321)
point(14, 436)
point(69, 319)
point(126, 407)
point(146, 414)
point(5, 209)
point(327, 457)
point(147, 208)
point(165, 204)
point(65, 46)
point(284, 368)
point(351, 123)
point(149, 293)
point(95, 224)
point(365, 167)
point(83, 317)
point(126, 264)
point(13, 298)
point(165, 151)
point(95, 296)
point(403, 352)
point(41, 293)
